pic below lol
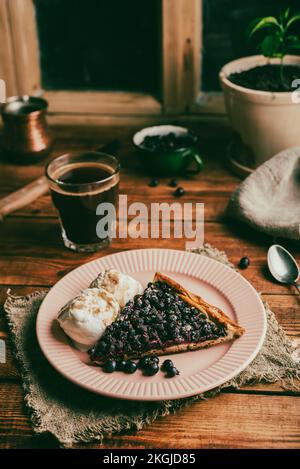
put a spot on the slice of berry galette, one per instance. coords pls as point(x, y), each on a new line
point(165, 319)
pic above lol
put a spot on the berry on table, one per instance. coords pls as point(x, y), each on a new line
point(173, 183)
point(179, 192)
point(244, 262)
point(153, 182)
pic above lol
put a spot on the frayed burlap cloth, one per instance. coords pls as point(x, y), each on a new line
point(72, 414)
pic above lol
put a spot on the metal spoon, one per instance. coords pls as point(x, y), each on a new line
point(283, 266)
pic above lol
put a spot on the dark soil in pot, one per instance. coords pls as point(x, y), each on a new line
point(267, 78)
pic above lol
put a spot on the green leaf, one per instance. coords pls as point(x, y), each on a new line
point(260, 23)
point(287, 13)
point(294, 46)
point(271, 46)
point(292, 42)
point(292, 39)
point(284, 16)
point(295, 17)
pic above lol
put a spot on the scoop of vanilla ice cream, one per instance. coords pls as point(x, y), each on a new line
point(121, 286)
point(85, 318)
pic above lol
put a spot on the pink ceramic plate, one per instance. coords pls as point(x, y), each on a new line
point(199, 370)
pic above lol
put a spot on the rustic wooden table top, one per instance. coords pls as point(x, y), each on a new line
point(33, 257)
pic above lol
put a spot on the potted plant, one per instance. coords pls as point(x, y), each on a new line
point(259, 92)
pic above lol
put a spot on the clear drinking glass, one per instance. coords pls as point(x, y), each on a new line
point(78, 183)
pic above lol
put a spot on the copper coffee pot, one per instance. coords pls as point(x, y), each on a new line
point(26, 135)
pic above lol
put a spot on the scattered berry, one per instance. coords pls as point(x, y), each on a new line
point(167, 364)
point(179, 192)
point(143, 362)
point(130, 367)
point(154, 359)
point(244, 263)
point(173, 183)
point(151, 369)
point(171, 372)
point(120, 365)
point(153, 183)
point(110, 366)
point(147, 361)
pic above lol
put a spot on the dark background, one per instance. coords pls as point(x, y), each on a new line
point(116, 44)
point(100, 44)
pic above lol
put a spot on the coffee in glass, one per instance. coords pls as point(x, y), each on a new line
point(78, 184)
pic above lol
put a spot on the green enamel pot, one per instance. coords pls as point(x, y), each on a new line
point(182, 161)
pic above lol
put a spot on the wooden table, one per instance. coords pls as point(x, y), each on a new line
point(33, 257)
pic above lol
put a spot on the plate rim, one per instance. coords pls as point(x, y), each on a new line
point(152, 398)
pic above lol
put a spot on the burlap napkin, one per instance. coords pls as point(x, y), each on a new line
point(72, 414)
point(269, 199)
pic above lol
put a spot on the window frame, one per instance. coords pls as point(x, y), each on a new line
point(181, 67)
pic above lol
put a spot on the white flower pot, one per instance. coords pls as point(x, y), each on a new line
point(264, 122)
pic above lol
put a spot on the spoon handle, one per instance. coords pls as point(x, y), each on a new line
point(297, 285)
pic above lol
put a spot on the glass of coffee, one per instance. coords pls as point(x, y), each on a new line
point(78, 183)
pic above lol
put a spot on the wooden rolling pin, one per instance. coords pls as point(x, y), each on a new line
point(35, 189)
point(23, 196)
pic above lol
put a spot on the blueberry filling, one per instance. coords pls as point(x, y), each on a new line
point(155, 320)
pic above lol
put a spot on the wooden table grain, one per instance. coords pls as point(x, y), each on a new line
point(32, 257)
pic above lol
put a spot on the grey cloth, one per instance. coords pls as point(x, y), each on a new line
point(73, 415)
point(269, 199)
